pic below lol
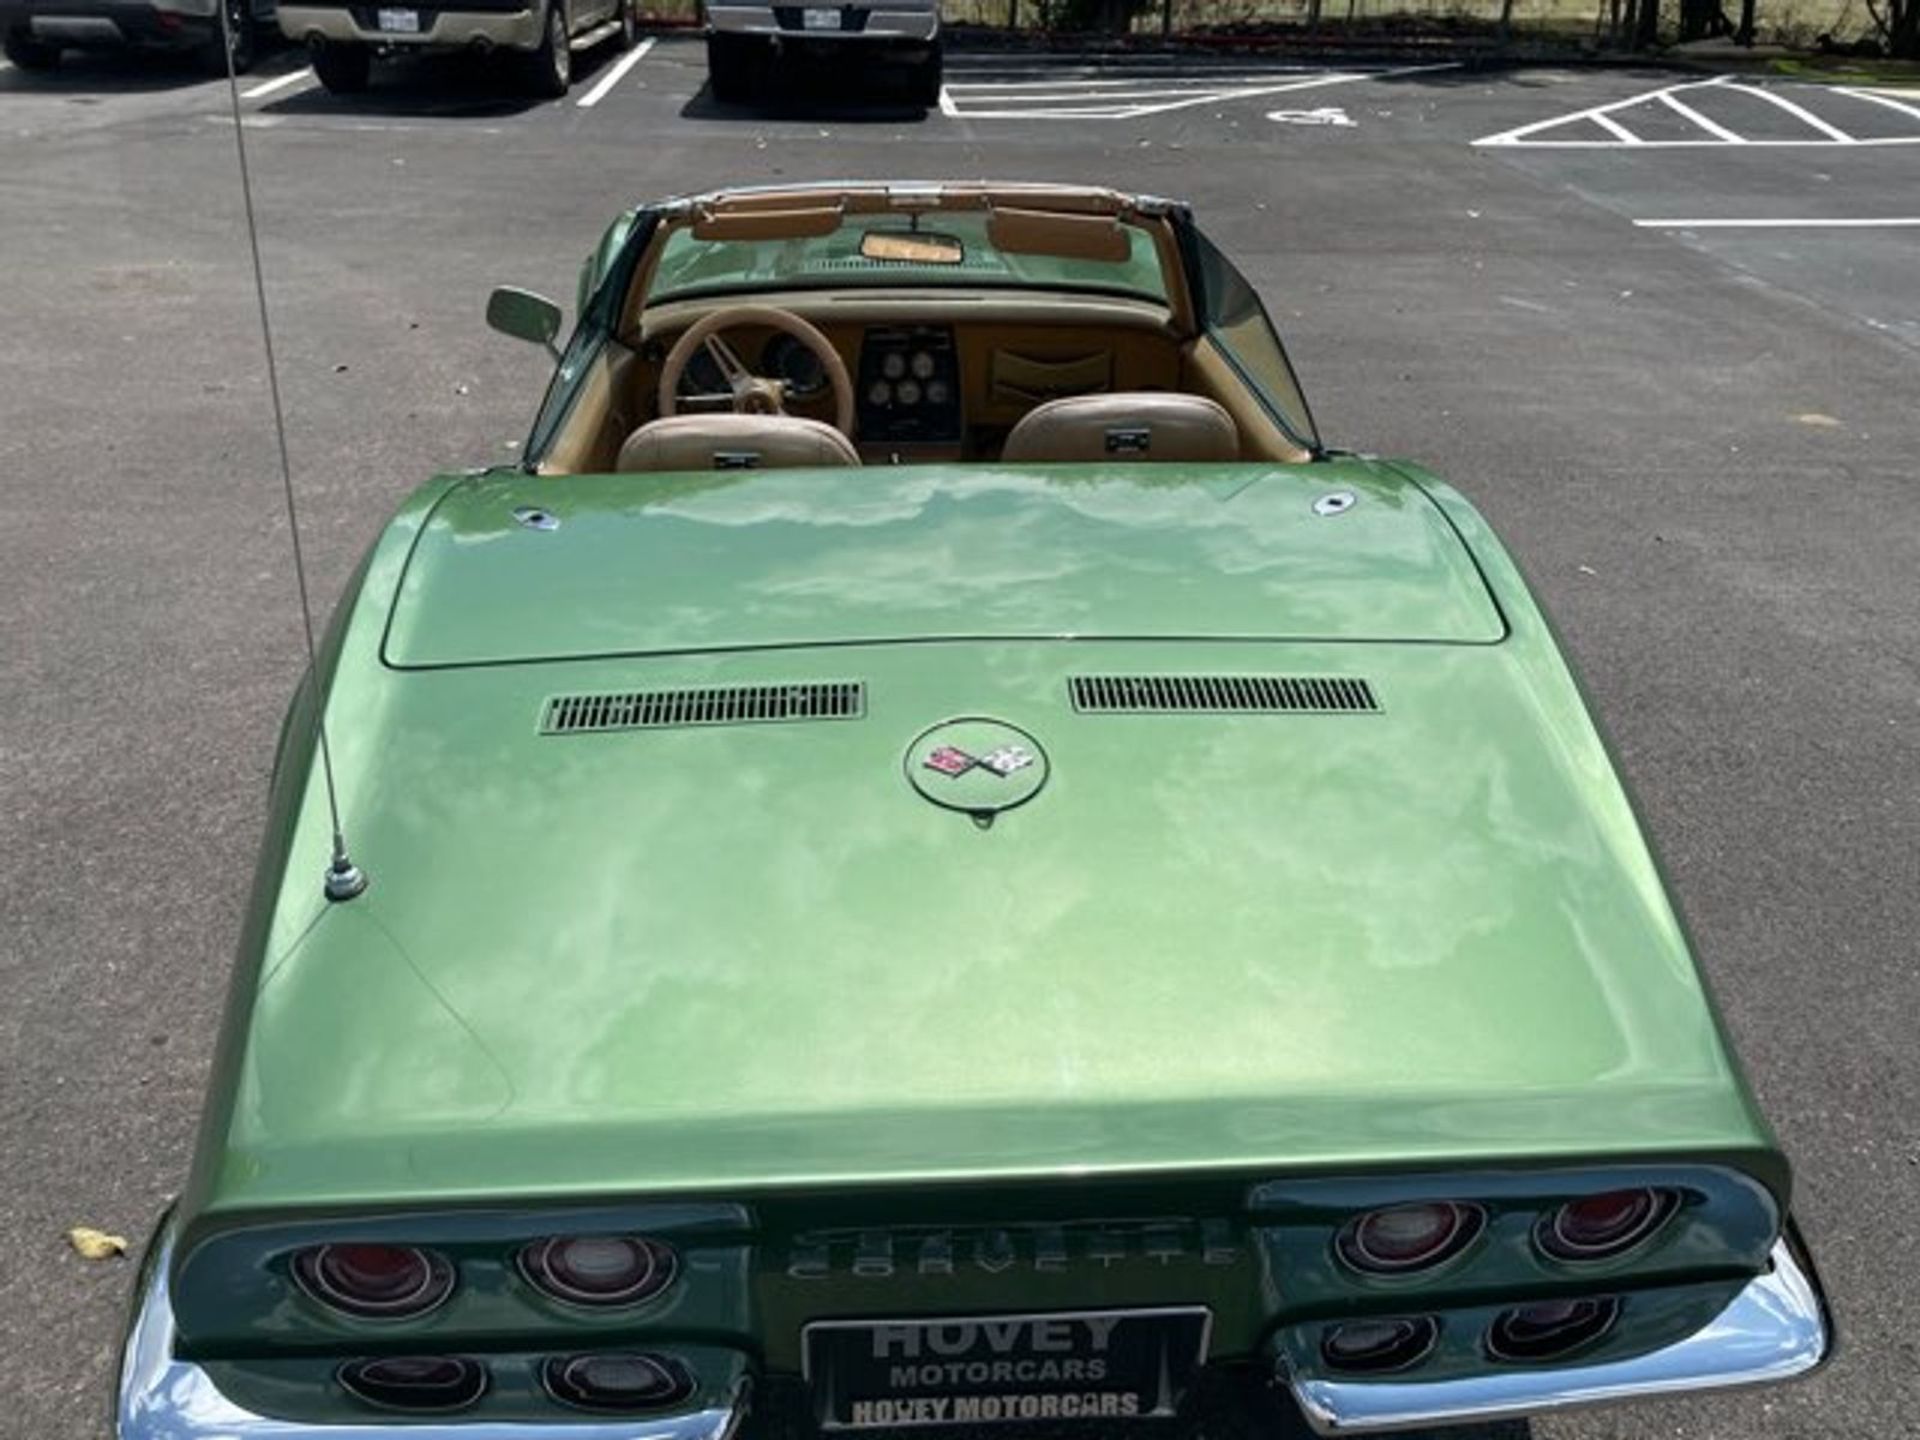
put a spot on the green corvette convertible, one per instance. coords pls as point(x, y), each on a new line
point(932, 859)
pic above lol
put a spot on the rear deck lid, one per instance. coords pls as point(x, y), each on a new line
point(519, 568)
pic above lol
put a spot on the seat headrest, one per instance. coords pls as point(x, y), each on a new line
point(1128, 425)
point(734, 442)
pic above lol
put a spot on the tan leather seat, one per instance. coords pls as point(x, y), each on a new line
point(1129, 425)
point(734, 442)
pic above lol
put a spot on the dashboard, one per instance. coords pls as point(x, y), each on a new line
point(906, 381)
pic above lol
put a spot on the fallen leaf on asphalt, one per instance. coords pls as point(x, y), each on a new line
point(96, 1244)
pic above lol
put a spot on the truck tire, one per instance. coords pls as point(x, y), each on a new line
point(213, 54)
point(343, 69)
point(550, 68)
point(28, 53)
point(729, 69)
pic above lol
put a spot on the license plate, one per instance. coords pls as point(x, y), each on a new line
point(398, 22)
point(812, 19)
point(1099, 1365)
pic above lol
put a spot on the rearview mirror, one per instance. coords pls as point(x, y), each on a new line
point(525, 316)
point(913, 247)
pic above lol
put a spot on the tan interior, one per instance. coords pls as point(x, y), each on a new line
point(733, 442)
point(1045, 232)
point(767, 224)
point(1205, 371)
point(1014, 355)
point(1015, 352)
point(1125, 426)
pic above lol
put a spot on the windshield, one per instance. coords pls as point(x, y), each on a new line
point(690, 267)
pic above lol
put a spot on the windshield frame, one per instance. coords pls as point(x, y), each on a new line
point(1158, 268)
point(931, 203)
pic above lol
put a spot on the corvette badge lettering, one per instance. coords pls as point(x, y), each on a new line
point(1046, 1249)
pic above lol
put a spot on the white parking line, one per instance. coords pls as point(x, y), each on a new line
point(1712, 127)
point(1046, 98)
point(1595, 113)
point(614, 76)
point(1614, 127)
point(1846, 223)
point(279, 82)
point(1090, 83)
point(1799, 112)
point(1884, 97)
point(1559, 131)
point(1106, 99)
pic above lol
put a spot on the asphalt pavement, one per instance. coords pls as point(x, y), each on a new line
point(1666, 333)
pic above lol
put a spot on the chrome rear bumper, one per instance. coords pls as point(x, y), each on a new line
point(880, 24)
point(1777, 1328)
point(444, 29)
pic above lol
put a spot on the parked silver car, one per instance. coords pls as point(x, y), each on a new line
point(746, 41)
point(36, 32)
point(344, 37)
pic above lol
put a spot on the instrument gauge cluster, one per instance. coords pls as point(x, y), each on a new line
point(702, 378)
point(909, 386)
point(781, 358)
point(786, 359)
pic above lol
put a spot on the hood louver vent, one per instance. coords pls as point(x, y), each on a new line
point(717, 705)
point(1222, 694)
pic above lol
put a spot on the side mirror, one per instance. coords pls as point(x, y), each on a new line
point(525, 316)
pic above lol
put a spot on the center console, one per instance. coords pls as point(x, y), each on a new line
point(907, 390)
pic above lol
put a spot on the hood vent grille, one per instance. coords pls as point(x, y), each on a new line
point(1222, 694)
point(715, 705)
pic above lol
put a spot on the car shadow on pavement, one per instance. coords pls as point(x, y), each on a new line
point(424, 88)
point(809, 102)
point(84, 74)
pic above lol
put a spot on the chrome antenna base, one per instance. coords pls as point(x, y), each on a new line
point(344, 879)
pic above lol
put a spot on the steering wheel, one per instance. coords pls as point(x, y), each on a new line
point(751, 394)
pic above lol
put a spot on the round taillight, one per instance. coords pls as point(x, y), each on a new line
point(1549, 1329)
point(616, 1381)
point(415, 1382)
point(1373, 1346)
point(375, 1282)
point(598, 1270)
point(1597, 1227)
point(1403, 1238)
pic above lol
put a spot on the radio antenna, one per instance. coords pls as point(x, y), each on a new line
point(344, 879)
